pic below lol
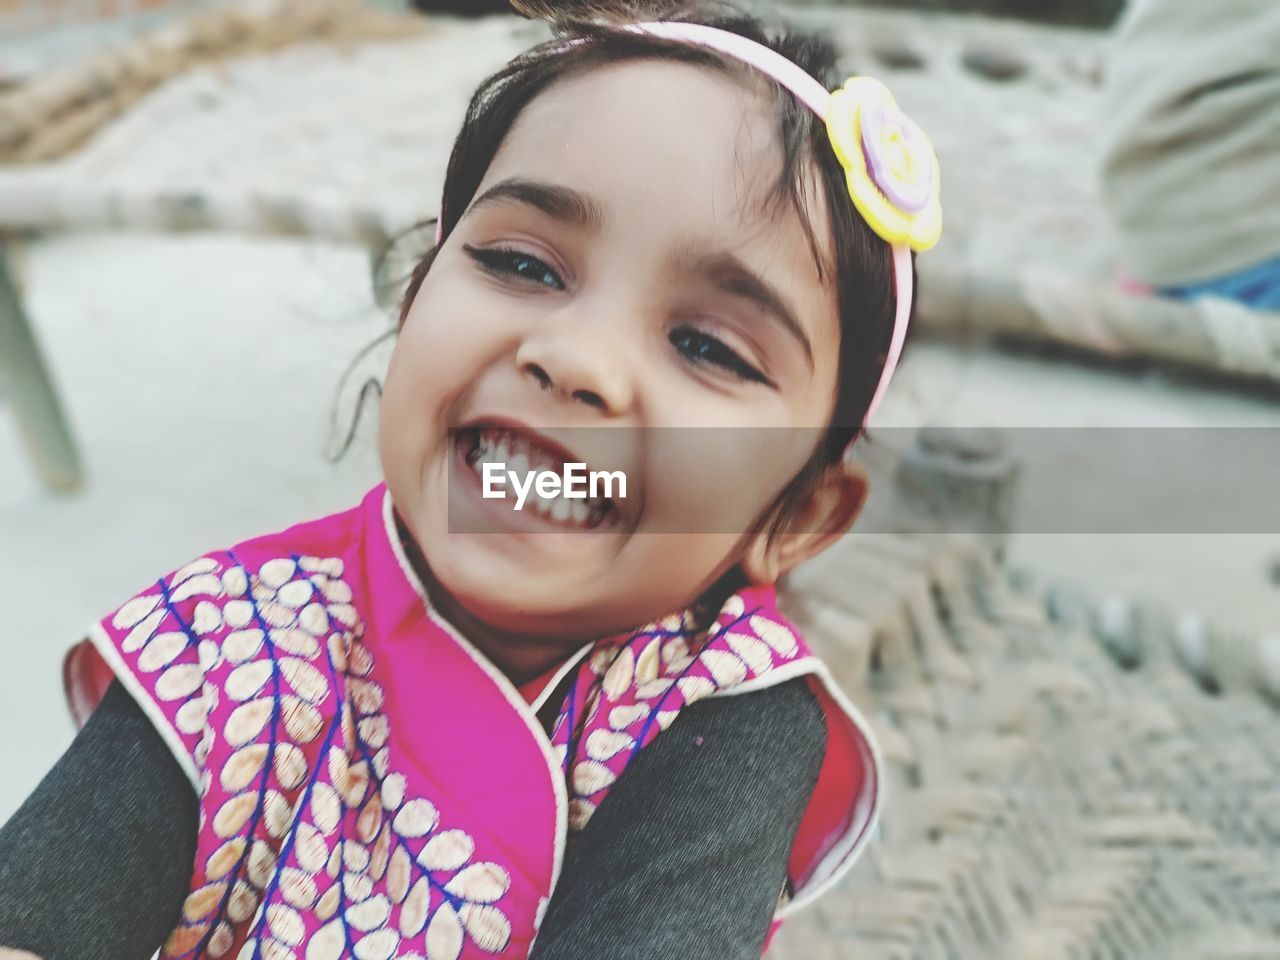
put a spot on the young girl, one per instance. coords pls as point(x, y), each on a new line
point(430, 726)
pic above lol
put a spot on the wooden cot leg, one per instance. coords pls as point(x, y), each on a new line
point(26, 385)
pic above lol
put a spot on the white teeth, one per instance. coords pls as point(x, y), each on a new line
point(519, 465)
point(520, 458)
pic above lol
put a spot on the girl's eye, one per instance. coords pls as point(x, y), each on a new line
point(702, 348)
point(507, 262)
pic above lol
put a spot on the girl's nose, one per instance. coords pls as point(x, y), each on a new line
point(577, 364)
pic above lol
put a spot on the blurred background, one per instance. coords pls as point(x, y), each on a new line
point(1071, 650)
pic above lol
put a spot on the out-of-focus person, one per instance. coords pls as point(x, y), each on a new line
point(1191, 149)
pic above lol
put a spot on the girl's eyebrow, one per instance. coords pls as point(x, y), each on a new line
point(727, 273)
point(556, 201)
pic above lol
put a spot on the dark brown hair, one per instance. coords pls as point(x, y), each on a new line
point(863, 265)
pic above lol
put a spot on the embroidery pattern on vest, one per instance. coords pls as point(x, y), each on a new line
point(309, 845)
point(630, 691)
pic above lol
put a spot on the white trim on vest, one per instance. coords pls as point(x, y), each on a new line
point(505, 687)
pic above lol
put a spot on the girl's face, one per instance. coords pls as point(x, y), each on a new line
point(621, 267)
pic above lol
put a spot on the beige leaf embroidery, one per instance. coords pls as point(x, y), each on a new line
point(184, 939)
point(357, 886)
point(242, 645)
point(161, 651)
point(370, 820)
point(360, 660)
point(224, 858)
point(673, 649)
point(237, 614)
point(200, 903)
point(480, 883)
point(373, 731)
point(233, 814)
point(381, 851)
point(488, 927)
point(329, 903)
point(143, 631)
point(286, 924)
point(416, 818)
point(243, 902)
point(277, 814)
point(355, 856)
point(325, 808)
point(192, 716)
point(247, 720)
point(275, 614)
point(355, 784)
point(726, 668)
point(694, 688)
point(307, 682)
point(242, 767)
point(313, 619)
point(413, 915)
point(754, 652)
point(276, 573)
point(290, 765)
point(295, 594)
point(444, 935)
point(330, 566)
point(235, 582)
point(605, 744)
point(398, 871)
point(620, 718)
point(654, 688)
point(338, 646)
point(649, 662)
point(393, 791)
point(179, 682)
point(207, 619)
point(328, 942)
point(260, 864)
point(590, 777)
point(310, 848)
point(295, 641)
point(302, 721)
point(335, 591)
point(298, 888)
point(620, 675)
point(204, 585)
point(379, 945)
point(134, 612)
point(369, 915)
point(344, 613)
point(221, 941)
point(775, 635)
point(447, 851)
point(246, 680)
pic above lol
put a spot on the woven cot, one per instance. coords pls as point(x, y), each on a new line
point(1067, 778)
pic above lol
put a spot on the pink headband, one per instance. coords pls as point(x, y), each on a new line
point(890, 166)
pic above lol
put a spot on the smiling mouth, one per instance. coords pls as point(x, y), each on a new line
point(519, 454)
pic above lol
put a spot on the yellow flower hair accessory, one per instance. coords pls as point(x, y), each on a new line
point(889, 163)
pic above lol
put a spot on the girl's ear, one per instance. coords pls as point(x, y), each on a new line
point(825, 514)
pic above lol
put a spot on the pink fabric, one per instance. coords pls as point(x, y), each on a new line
point(370, 784)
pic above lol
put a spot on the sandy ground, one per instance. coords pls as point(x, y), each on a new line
point(199, 374)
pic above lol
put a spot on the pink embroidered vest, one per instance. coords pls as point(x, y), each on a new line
point(372, 786)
